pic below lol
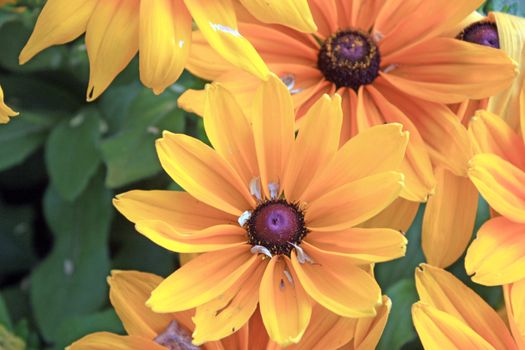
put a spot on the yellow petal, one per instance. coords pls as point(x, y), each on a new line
point(203, 173)
point(274, 126)
point(449, 219)
point(5, 111)
point(313, 149)
point(443, 291)
point(59, 22)
point(231, 310)
point(293, 13)
point(229, 131)
point(217, 22)
point(501, 184)
point(354, 203)
point(164, 42)
point(178, 209)
point(285, 307)
point(202, 279)
point(112, 39)
point(360, 157)
point(193, 101)
point(337, 284)
point(128, 293)
point(368, 331)
point(497, 255)
point(491, 134)
point(398, 216)
point(515, 302)
point(366, 245)
point(439, 330)
point(110, 341)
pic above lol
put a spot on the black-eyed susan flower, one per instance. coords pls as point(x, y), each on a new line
point(274, 215)
point(451, 316)
point(5, 111)
point(160, 30)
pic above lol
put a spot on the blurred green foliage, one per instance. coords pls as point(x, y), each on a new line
point(63, 160)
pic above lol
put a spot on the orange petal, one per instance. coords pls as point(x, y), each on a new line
point(337, 284)
point(501, 184)
point(112, 39)
point(497, 255)
point(354, 203)
point(358, 13)
point(449, 219)
point(273, 125)
point(5, 111)
point(515, 305)
point(446, 70)
point(110, 341)
point(285, 307)
point(164, 42)
point(312, 149)
point(442, 290)
point(193, 101)
point(398, 216)
point(368, 331)
point(202, 279)
point(325, 16)
point(203, 173)
point(59, 22)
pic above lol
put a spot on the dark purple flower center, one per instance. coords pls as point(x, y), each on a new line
point(175, 338)
point(349, 58)
point(276, 225)
point(482, 33)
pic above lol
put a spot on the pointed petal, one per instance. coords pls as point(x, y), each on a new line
point(273, 125)
point(5, 111)
point(312, 149)
point(59, 22)
point(398, 216)
point(497, 255)
point(354, 203)
point(110, 341)
point(285, 307)
point(293, 13)
point(112, 39)
point(193, 101)
point(501, 184)
point(368, 331)
point(515, 305)
point(217, 22)
point(164, 42)
point(446, 70)
point(337, 284)
point(442, 290)
point(439, 330)
point(202, 279)
point(449, 219)
point(203, 173)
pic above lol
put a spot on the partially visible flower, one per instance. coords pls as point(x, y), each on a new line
point(274, 215)
point(5, 111)
point(9, 341)
point(451, 316)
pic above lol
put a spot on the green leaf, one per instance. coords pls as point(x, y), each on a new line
point(130, 154)
point(71, 281)
point(72, 154)
point(399, 328)
point(5, 320)
point(515, 7)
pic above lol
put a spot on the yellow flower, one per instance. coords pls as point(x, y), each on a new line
point(274, 215)
point(160, 30)
point(147, 330)
point(5, 111)
point(451, 316)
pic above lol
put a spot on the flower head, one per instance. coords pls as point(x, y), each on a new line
point(275, 215)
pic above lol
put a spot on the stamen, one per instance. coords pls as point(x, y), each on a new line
point(175, 338)
point(243, 219)
point(274, 190)
point(259, 249)
point(302, 257)
point(255, 188)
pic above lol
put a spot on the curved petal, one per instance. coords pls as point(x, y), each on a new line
point(325, 15)
point(202, 279)
point(443, 291)
point(285, 307)
point(366, 245)
point(497, 255)
point(515, 305)
point(59, 22)
point(5, 111)
point(449, 219)
point(368, 331)
point(358, 13)
point(164, 42)
point(217, 22)
point(112, 39)
point(192, 101)
point(439, 330)
point(337, 284)
point(312, 149)
point(178, 209)
point(203, 173)
point(501, 184)
point(293, 13)
point(446, 70)
point(354, 203)
point(398, 216)
point(110, 341)
point(273, 128)
point(128, 293)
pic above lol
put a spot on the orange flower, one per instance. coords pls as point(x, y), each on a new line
point(274, 214)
